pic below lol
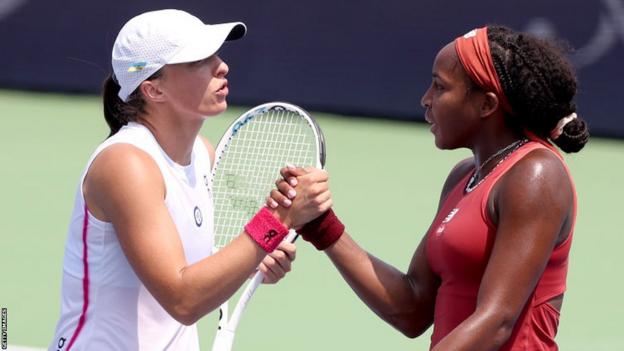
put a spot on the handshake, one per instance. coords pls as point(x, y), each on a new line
point(302, 201)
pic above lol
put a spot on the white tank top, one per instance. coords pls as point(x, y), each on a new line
point(104, 306)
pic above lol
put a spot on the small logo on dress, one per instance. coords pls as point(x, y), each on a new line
point(447, 219)
point(61, 343)
point(198, 216)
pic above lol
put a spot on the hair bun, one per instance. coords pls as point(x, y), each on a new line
point(574, 136)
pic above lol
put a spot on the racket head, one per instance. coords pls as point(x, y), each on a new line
point(248, 159)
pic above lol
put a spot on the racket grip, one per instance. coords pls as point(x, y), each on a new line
point(291, 237)
point(224, 339)
point(250, 289)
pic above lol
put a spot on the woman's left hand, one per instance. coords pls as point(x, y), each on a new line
point(277, 263)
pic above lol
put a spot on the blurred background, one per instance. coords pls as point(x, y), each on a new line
point(361, 67)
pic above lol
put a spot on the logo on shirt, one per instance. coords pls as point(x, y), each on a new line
point(447, 219)
point(198, 216)
point(61, 343)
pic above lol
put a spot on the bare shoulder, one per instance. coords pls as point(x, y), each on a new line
point(118, 171)
point(536, 185)
point(540, 170)
point(122, 160)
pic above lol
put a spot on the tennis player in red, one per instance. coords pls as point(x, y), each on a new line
point(490, 273)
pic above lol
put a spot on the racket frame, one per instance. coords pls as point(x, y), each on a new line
point(224, 338)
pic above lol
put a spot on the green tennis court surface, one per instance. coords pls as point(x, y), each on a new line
point(385, 178)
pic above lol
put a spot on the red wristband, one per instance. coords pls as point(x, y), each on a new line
point(323, 231)
point(266, 230)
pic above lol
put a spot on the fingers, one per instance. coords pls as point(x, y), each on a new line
point(268, 276)
point(271, 202)
point(314, 175)
point(277, 263)
point(290, 174)
point(285, 188)
point(282, 195)
point(293, 175)
point(289, 249)
point(286, 191)
point(276, 198)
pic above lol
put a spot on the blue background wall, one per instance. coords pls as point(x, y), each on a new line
point(365, 57)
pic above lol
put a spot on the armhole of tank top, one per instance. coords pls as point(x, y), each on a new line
point(535, 146)
point(561, 159)
point(91, 218)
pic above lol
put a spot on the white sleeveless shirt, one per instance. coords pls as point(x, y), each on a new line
point(104, 306)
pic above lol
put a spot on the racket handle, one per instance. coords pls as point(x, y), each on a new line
point(223, 340)
point(291, 237)
point(250, 289)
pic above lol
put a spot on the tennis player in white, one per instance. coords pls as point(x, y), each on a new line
point(138, 271)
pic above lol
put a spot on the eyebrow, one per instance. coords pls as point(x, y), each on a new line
point(437, 76)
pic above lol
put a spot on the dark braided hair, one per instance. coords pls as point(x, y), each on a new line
point(118, 113)
point(539, 83)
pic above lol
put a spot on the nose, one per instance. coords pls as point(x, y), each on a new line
point(222, 68)
point(425, 100)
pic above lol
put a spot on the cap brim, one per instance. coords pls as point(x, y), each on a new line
point(207, 42)
point(237, 30)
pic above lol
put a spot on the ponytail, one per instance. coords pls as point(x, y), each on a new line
point(574, 136)
point(118, 113)
point(113, 106)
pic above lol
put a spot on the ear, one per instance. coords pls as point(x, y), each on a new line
point(489, 105)
point(151, 90)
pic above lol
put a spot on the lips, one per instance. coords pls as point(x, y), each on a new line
point(428, 117)
point(223, 90)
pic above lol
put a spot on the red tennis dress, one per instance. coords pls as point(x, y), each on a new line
point(459, 245)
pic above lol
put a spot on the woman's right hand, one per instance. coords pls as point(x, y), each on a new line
point(300, 196)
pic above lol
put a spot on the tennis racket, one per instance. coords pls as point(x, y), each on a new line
point(247, 163)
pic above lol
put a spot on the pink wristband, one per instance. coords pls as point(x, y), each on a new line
point(266, 230)
point(323, 231)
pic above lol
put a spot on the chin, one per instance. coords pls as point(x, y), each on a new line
point(439, 144)
point(444, 144)
point(216, 109)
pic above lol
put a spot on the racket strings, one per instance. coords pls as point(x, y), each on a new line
point(250, 165)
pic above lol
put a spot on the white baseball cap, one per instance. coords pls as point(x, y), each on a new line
point(153, 39)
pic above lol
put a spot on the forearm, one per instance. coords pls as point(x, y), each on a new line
point(482, 331)
point(206, 284)
point(384, 289)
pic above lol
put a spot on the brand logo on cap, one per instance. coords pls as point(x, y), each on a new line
point(137, 66)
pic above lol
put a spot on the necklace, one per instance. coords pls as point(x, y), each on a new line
point(511, 148)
